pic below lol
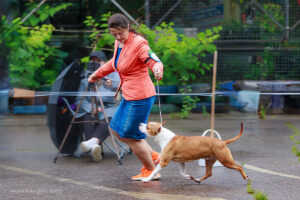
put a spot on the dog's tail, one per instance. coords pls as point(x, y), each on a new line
point(235, 138)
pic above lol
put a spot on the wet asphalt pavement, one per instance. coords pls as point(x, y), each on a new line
point(27, 170)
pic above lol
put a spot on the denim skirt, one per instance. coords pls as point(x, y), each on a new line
point(129, 115)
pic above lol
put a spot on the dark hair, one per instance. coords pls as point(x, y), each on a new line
point(120, 21)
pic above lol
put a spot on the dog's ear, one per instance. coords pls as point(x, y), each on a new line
point(158, 130)
point(164, 123)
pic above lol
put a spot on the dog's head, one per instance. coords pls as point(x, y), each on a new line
point(151, 128)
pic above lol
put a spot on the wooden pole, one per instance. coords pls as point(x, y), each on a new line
point(212, 116)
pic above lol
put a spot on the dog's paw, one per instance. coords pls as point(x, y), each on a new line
point(194, 179)
point(146, 180)
point(197, 180)
point(187, 176)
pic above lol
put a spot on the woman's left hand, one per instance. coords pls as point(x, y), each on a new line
point(157, 73)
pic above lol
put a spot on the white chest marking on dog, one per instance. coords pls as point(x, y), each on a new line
point(164, 137)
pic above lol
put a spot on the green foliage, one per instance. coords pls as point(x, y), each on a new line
point(204, 111)
point(250, 190)
point(188, 102)
point(85, 59)
point(100, 37)
point(47, 74)
point(295, 139)
point(187, 105)
point(181, 55)
point(258, 195)
point(266, 23)
point(43, 13)
point(262, 28)
point(28, 52)
point(262, 112)
point(32, 61)
point(262, 70)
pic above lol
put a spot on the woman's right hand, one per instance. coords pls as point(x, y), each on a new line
point(92, 78)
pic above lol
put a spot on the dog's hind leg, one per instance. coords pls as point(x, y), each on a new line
point(209, 162)
point(183, 170)
point(228, 161)
point(233, 165)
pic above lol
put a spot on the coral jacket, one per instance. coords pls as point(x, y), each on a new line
point(132, 66)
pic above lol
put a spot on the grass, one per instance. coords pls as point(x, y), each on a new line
point(258, 195)
point(262, 112)
point(295, 140)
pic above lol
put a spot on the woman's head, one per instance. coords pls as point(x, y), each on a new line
point(119, 26)
point(118, 21)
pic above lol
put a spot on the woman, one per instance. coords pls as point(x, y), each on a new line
point(132, 57)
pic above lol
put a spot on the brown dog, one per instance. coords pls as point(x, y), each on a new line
point(182, 149)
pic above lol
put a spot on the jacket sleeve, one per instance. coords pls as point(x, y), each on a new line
point(144, 56)
point(105, 69)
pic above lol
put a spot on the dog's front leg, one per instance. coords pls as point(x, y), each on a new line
point(150, 178)
point(183, 171)
point(209, 162)
point(187, 176)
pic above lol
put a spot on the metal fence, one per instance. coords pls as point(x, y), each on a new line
point(260, 39)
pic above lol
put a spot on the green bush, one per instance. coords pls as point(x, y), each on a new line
point(100, 37)
point(182, 56)
point(33, 62)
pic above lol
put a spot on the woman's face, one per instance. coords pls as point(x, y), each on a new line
point(121, 34)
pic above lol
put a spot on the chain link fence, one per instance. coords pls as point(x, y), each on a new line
point(260, 40)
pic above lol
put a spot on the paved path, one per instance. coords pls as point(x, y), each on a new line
point(27, 171)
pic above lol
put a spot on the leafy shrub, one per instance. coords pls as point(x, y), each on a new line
point(33, 62)
point(100, 37)
point(182, 56)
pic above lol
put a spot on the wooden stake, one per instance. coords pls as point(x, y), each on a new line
point(212, 116)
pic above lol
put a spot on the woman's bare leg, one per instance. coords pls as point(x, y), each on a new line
point(141, 149)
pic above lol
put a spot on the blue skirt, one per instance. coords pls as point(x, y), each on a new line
point(128, 117)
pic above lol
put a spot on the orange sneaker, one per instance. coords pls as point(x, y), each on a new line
point(145, 173)
point(155, 158)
